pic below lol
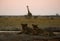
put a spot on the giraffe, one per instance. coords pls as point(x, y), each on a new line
point(29, 13)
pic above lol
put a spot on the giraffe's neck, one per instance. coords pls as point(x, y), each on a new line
point(29, 13)
point(28, 9)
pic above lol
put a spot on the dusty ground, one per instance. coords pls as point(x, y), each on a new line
point(8, 36)
point(14, 36)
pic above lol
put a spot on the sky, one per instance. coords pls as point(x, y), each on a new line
point(37, 7)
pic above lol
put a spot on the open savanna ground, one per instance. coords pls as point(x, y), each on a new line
point(14, 36)
point(16, 21)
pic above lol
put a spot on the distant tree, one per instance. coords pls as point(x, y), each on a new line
point(57, 14)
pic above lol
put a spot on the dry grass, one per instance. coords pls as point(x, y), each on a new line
point(16, 22)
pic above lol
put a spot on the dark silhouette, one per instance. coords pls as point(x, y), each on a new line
point(26, 29)
point(29, 13)
point(57, 14)
point(39, 31)
point(36, 30)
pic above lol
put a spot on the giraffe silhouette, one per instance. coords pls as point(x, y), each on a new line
point(29, 13)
